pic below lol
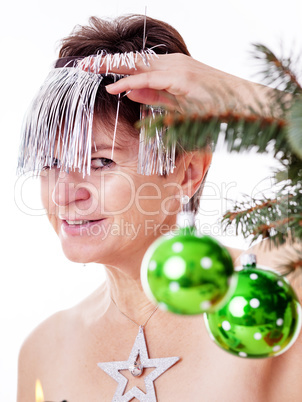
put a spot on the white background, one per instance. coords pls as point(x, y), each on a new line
point(36, 279)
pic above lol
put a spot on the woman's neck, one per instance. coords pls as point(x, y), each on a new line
point(127, 293)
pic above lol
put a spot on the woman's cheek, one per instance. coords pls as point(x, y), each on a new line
point(47, 183)
point(117, 193)
point(148, 199)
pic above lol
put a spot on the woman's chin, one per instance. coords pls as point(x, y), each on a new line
point(77, 259)
point(75, 256)
point(80, 253)
point(88, 252)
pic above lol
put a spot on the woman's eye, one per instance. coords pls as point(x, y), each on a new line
point(99, 163)
point(53, 164)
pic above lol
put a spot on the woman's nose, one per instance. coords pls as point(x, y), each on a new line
point(68, 189)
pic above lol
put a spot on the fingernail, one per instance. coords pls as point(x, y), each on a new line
point(109, 86)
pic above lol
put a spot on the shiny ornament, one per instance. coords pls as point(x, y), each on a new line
point(261, 319)
point(188, 274)
point(136, 369)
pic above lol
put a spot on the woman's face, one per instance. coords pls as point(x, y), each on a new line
point(113, 214)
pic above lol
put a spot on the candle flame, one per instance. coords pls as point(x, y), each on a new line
point(39, 392)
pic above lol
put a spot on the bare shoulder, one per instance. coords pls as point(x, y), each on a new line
point(46, 347)
point(235, 254)
point(37, 351)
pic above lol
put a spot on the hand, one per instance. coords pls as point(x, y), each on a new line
point(177, 81)
point(172, 80)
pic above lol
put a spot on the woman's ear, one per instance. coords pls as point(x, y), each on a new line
point(196, 165)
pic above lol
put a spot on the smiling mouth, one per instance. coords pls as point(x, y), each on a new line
point(77, 222)
point(82, 222)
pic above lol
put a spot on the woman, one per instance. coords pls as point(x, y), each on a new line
point(112, 216)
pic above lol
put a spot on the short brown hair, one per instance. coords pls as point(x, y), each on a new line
point(123, 34)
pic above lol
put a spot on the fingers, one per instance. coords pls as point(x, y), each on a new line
point(159, 81)
point(153, 97)
point(164, 80)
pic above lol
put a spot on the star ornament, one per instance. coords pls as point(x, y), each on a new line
point(139, 348)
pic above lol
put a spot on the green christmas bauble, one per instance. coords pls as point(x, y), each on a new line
point(187, 274)
point(261, 319)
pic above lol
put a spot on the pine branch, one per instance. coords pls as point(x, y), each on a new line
point(291, 266)
point(264, 204)
point(277, 71)
point(278, 219)
point(241, 132)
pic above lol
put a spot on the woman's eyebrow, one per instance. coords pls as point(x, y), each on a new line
point(103, 147)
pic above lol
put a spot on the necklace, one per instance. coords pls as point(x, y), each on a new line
point(134, 322)
point(136, 368)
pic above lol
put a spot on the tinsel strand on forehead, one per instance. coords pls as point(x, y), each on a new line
point(154, 157)
point(58, 127)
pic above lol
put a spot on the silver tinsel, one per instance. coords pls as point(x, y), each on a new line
point(58, 127)
point(153, 156)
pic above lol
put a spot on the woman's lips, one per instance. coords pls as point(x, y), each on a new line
point(82, 227)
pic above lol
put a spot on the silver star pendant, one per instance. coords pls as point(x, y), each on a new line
point(139, 348)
